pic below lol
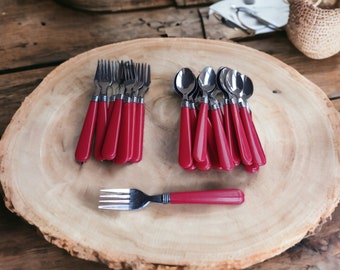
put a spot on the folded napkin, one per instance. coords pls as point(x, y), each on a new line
point(275, 12)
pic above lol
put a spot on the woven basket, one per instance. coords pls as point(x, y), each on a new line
point(314, 27)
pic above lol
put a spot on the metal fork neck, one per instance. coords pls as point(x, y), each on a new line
point(166, 198)
point(162, 198)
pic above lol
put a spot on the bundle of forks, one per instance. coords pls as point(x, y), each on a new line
point(114, 121)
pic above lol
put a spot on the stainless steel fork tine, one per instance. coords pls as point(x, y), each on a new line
point(144, 72)
point(147, 79)
point(97, 75)
point(115, 195)
point(103, 70)
point(115, 190)
point(115, 71)
point(132, 69)
point(115, 201)
point(101, 74)
point(108, 71)
point(126, 71)
point(115, 207)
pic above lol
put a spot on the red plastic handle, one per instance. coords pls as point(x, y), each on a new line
point(212, 148)
point(109, 110)
point(138, 133)
point(229, 130)
point(223, 151)
point(200, 144)
point(132, 123)
point(224, 196)
point(253, 139)
point(253, 168)
point(83, 149)
point(206, 164)
point(242, 141)
point(101, 123)
point(123, 147)
point(185, 142)
point(109, 148)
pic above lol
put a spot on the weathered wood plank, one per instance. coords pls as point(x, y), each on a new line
point(114, 6)
point(52, 32)
point(128, 5)
point(21, 240)
point(194, 2)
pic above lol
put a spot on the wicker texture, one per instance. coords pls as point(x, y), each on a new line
point(314, 28)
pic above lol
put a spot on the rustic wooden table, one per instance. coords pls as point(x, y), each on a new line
point(39, 35)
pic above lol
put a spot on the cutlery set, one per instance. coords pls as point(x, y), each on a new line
point(216, 126)
point(115, 116)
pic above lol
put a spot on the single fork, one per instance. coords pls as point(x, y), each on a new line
point(137, 69)
point(123, 153)
point(144, 79)
point(109, 148)
point(133, 199)
point(84, 144)
point(105, 81)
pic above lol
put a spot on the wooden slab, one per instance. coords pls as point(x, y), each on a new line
point(114, 6)
point(287, 200)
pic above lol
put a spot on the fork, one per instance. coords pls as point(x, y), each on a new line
point(110, 143)
point(83, 149)
point(133, 199)
point(105, 81)
point(123, 154)
point(134, 92)
point(144, 78)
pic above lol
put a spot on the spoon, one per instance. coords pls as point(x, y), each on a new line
point(225, 158)
point(205, 165)
point(206, 81)
point(185, 84)
point(234, 83)
point(227, 118)
point(259, 157)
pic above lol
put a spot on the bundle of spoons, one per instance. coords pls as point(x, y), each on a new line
point(217, 133)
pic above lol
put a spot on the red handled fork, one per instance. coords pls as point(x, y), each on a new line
point(133, 199)
point(144, 78)
point(105, 81)
point(123, 153)
point(110, 143)
point(84, 145)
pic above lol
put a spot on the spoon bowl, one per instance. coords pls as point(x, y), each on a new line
point(185, 83)
point(248, 87)
point(207, 80)
point(234, 82)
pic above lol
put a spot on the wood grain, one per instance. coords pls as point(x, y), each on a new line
point(273, 218)
point(114, 6)
point(54, 33)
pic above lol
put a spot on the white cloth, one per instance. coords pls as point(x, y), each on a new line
point(275, 11)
